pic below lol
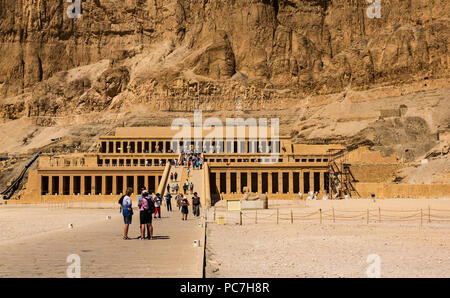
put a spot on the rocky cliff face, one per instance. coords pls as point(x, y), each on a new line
point(187, 54)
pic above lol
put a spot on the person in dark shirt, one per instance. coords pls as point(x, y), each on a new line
point(196, 205)
point(169, 201)
point(184, 208)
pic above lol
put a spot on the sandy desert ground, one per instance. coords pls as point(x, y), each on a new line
point(36, 242)
point(22, 221)
point(340, 249)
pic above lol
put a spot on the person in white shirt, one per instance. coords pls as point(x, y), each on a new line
point(157, 200)
point(127, 209)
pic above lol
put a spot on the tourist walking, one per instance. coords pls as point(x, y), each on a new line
point(184, 208)
point(188, 171)
point(191, 187)
point(175, 175)
point(145, 216)
point(169, 202)
point(157, 202)
point(178, 200)
point(171, 176)
point(185, 187)
point(196, 205)
point(127, 211)
point(168, 188)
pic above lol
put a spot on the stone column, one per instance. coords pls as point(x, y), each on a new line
point(125, 183)
point(82, 185)
point(114, 185)
point(259, 182)
point(164, 147)
point(218, 181)
point(238, 182)
point(61, 180)
point(269, 180)
point(103, 185)
point(136, 190)
point(302, 184)
point(311, 181)
point(71, 186)
point(280, 182)
point(147, 186)
point(93, 185)
point(228, 182)
point(322, 181)
point(114, 147)
point(291, 182)
point(50, 185)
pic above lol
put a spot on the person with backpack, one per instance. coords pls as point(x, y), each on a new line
point(127, 211)
point(144, 216)
point(184, 208)
point(139, 204)
point(196, 205)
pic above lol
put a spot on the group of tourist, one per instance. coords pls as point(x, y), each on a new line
point(191, 159)
point(150, 207)
point(183, 205)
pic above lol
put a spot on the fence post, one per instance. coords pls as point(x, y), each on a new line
point(334, 219)
point(429, 214)
point(240, 217)
point(292, 217)
point(320, 212)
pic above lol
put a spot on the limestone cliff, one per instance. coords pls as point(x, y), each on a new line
point(210, 54)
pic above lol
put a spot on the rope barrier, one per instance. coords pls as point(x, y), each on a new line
point(401, 210)
point(443, 210)
point(334, 215)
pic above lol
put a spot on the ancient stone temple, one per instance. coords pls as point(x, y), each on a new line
point(144, 157)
